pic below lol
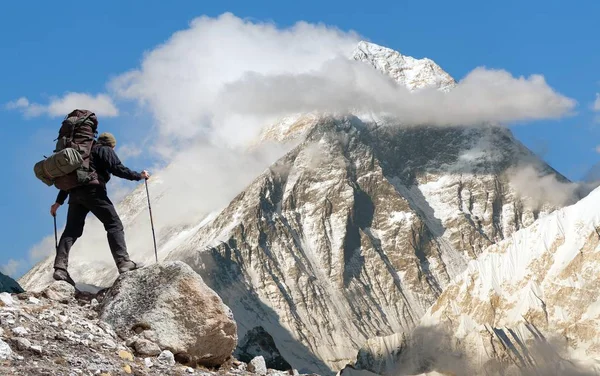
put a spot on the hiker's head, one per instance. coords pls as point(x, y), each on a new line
point(107, 139)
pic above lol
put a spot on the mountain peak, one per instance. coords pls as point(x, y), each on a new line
point(406, 70)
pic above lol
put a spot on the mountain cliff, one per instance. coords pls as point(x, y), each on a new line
point(533, 297)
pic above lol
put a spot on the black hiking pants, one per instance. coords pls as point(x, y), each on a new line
point(91, 198)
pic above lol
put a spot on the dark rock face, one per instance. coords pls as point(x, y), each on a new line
point(9, 285)
point(258, 342)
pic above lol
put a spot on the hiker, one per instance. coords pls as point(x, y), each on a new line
point(93, 198)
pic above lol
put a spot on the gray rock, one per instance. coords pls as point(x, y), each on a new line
point(258, 366)
point(37, 349)
point(22, 344)
point(167, 357)
point(173, 301)
point(108, 344)
point(131, 341)
point(26, 316)
point(150, 335)
point(107, 328)
point(33, 300)
point(5, 350)
point(59, 291)
point(146, 348)
point(20, 331)
point(7, 299)
point(148, 362)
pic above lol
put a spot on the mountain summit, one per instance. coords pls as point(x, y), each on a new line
point(407, 71)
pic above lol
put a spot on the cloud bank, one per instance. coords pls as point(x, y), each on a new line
point(181, 81)
point(101, 104)
point(341, 85)
point(11, 267)
point(596, 105)
point(224, 78)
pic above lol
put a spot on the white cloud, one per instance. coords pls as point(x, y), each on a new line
point(596, 105)
point(539, 188)
point(342, 85)
point(224, 78)
point(128, 151)
point(101, 104)
point(180, 81)
point(19, 103)
point(11, 268)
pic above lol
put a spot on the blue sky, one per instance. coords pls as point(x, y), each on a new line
point(51, 48)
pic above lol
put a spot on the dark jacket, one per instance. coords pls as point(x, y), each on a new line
point(105, 162)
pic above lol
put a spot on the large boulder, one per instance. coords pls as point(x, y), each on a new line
point(184, 314)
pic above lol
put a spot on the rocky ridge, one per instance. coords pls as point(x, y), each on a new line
point(58, 331)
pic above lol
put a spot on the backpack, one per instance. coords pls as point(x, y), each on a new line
point(69, 166)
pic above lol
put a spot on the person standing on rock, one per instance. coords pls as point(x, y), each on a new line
point(94, 198)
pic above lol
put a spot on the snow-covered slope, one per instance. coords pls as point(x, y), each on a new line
point(541, 282)
point(351, 235)
point(407, 71)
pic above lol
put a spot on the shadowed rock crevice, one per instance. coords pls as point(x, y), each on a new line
point(258, 342)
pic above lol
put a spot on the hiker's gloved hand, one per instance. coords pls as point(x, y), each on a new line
point(54, 208)
point(145, 175)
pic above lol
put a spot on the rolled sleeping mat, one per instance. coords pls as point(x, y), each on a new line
point(58, 164)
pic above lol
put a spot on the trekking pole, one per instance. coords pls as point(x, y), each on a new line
point(151, 221)
point(55, 234)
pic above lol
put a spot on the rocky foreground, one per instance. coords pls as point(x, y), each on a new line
point(61, 331)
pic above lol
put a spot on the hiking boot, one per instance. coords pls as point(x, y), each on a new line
point(127, 266)
point(63, 275)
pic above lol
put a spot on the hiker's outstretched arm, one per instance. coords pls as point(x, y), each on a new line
point(123, 172)
point(115, 166)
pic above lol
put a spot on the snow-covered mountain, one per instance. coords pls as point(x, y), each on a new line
point(356, 232)
point(414, 74)
point(407, 71)
point(353, 234)
point(540, 285)
point(528, 305)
